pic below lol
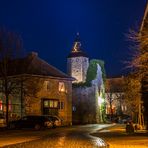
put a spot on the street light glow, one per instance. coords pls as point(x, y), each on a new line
point(100, 100)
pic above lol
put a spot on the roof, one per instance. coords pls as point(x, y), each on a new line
point(34, 65)
point(114, 85)
point(77, 54)
point(77, 50)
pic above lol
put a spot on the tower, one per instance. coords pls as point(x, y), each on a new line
point(77, 62)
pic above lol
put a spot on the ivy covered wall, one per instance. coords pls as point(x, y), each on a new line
point(92, 73)
point(92, 70)
point(88, 94)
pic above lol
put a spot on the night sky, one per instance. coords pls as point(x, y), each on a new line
point(49, 27)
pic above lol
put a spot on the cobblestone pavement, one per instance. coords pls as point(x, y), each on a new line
point(116, 137)
point(73, 137)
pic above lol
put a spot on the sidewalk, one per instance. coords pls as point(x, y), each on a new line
point(9, 137)
point(116, 137)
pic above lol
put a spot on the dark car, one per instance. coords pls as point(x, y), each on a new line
point(112, 118)
point(35, 122)
point(118, 118)
point(125, 118)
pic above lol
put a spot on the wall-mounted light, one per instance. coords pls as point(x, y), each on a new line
point(100, 101)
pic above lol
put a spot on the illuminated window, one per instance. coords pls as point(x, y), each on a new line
point(46, 103)
point(51, 103)
point(1, 105)
point(62, 87)
point(125, 107)
point(55, 104)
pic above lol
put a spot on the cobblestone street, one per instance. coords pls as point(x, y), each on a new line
point(69, 137)
point(116, 137)
point(86, 136)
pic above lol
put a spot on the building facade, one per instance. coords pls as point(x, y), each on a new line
point(43, 90)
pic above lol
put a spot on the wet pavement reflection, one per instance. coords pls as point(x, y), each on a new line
point(75, 137)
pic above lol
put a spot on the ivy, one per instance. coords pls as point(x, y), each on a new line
point(92, 70)
point(92, 73)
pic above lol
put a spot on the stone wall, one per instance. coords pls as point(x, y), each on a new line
point(85, 105)
point(88, 102)
point(77, 68)
point(33, 105)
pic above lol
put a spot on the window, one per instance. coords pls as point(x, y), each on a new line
point(61, 105)
point(55, 104)
point(45, 103)
point(51, 103)
point(77, 60)
point(62, 87)
point(1, 105)
point(73, 108)
point(47, 85)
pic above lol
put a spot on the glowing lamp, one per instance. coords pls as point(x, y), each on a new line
point(100, 101)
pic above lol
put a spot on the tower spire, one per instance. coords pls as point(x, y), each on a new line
point(77, 43)
point(77, 50)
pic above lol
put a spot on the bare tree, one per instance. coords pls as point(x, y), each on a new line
point(29, 88)
point(10, 48)
point(13, 80)
point(110, 99)
point(139, 62)
point(115, 94)
point(132, 95)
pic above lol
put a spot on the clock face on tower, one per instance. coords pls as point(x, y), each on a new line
point(77, 60)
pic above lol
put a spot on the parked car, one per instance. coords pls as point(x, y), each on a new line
point(112, 118)
point(125, 118)
point(35, 122)
point(56, 120)
point(2, 121)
